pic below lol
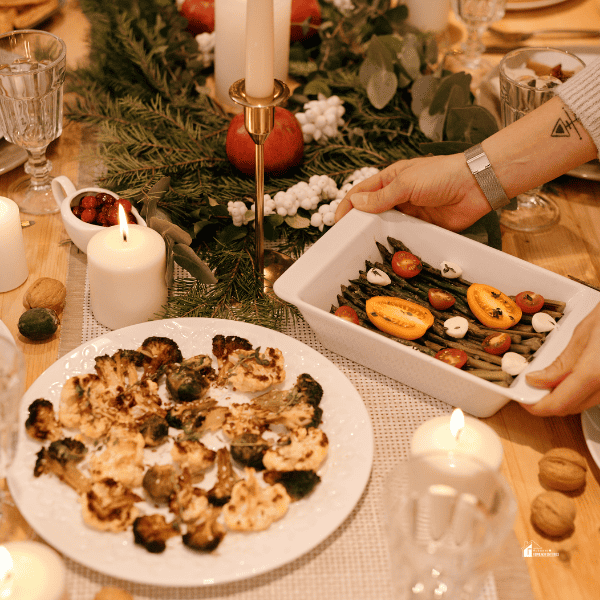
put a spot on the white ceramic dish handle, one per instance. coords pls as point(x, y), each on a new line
point(62, 187)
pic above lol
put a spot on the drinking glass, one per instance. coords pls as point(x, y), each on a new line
point(32, 73)
point(447, 517)
point(477, 15)
point(528, 78)
point(12, 383)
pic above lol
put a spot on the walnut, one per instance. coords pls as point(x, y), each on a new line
point(553, 513)
point(562, 469)
point(46, 292)
point(113, 593)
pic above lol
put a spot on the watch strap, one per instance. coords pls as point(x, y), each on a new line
point(481, 168)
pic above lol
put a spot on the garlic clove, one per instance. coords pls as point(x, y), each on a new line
point(450, 270)
point(543, 322)
point(456, 327)
point(377, 277)
point(513, 363)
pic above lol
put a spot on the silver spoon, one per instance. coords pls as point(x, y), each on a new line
point(513, 37)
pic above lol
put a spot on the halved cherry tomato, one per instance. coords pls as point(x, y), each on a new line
point(399, 317)
point(492, 307)
point(440, 299)
point(452, 356)
point(497, 343)
point(530, 302)
point(405, 264)
point(347, 313)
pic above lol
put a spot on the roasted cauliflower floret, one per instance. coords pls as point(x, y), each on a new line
point(191, 379)
point(61, 459)
point(246, 369)
point(160, 483)
point(109, 506)
point(194, 418)
point(252, 507)
point(122, 458)
point(188, 503)
point(206, 533)
point(192, 455)
point(153, 531)
point(303, 450)
point(157, 354)
point(220, 493)
point(42, 424)
point(119, 370)
point(244, 418)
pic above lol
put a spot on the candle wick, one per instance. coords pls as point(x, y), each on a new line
point(124, 235)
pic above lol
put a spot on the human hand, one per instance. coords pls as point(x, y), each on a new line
point(436, 189)
point(573, 377)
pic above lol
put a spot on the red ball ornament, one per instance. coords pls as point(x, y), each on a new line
point(283, 149)
point(200, 15)
point(302, 10)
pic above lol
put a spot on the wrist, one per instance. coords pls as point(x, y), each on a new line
point(487, 181)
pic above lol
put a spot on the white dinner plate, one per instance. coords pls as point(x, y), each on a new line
point(490, 98)
point(52, 508)
point(11, 156)
point(590, 423)
point(531, 4)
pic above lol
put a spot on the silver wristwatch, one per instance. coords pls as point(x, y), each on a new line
point(486, 178)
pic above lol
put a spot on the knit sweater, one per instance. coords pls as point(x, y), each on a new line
point(581, 93)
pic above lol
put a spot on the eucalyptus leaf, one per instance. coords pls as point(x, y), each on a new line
point(423, 91)
point(410, 60)
point(297, 222)
point(470, 123)
point(316, 87)
point(186, 258)
point(171, 230)
point(381, 88)
point(432, 125)
point(381, 53)
point(440, 100)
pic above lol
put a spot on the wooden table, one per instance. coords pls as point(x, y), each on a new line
point(570, 248)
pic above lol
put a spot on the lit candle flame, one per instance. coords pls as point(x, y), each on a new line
point(457, 423)
point(123, 223)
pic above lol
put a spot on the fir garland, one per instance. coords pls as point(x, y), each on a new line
point(144, 94)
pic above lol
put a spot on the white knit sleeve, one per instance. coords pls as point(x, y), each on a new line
point(581, 93)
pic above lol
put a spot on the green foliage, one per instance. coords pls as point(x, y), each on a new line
point(146, 99)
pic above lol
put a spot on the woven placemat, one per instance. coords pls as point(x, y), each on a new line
point(353, 563)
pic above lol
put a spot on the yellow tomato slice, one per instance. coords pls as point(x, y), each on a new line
point(399, 317)
point(492, 307)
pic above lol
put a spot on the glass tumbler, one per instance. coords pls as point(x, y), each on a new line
point(32, 73)
point(447, 516)
point(528, 78)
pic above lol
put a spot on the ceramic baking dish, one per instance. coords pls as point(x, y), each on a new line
point(313, 282)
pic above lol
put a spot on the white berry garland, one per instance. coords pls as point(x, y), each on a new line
point(309, 195)
point(206, 47)
point(321, 118)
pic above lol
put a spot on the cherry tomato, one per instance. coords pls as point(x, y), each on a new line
point(492, 307)
point(440, 299)
point(402, 318)
point(452, 356)
point(497, 343)
point(530, 302)
point(406, 264)
point(347, 313)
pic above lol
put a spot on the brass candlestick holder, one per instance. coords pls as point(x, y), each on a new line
point(259, 119)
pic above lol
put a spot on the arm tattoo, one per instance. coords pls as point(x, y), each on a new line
point(566, 125)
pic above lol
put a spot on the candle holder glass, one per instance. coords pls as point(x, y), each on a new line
point(447, 517)
point(259, 119)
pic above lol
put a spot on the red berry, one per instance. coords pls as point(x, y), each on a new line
point(125, 204)
point(88, 215)
point(113, 215)
point(89, 202)
point(77, 210)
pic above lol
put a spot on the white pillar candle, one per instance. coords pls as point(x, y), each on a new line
point(428, 15)
point(13, 263)
point(475, 438)
point(31, 571)
point(259, 48)
point(230, 44)
point(126, 278)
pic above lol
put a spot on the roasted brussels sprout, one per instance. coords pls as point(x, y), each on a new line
point(160, 481)
point(297, 484)
point(248, 449)
point(155, 430)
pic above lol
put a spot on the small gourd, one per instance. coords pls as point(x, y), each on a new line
point(38, 323)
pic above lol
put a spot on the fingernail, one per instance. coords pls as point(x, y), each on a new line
point(359, 200)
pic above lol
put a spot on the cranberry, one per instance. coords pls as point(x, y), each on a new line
point(88, 215)
point(131, 219)
point(77, 210)
point(125, 203)
point(89, 202)
point(113, 215)
point(105, 198)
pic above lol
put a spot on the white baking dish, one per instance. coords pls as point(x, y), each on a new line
point(313, 282)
